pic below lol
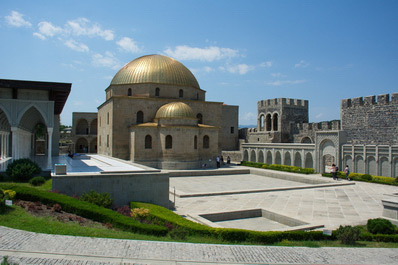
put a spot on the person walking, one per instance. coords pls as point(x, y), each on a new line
point(228, 160)
point(334, 171)
point(347, 172)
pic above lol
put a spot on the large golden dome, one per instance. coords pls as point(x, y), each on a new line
point(155, 69)
point(175, 110)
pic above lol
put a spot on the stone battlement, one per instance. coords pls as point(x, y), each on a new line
point(319, 126)
point(383, 99)
point(278, 102)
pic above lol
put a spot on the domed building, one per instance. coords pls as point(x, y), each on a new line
point(155, 114)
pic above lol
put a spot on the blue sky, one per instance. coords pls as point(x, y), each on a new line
point(239, 51)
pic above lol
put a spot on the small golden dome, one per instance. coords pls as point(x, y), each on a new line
point(176, 110)
point(155, 68)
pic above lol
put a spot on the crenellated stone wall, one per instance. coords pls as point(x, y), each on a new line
point(371, 120)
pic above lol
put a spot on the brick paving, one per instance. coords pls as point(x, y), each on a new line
point(33, 248)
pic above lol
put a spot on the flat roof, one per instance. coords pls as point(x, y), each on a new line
point(59, 92)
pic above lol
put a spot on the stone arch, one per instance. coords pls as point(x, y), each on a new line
point(40, 139)
point(253, 156)
point(288, 159)
point(309, 161)
point(372, 165)
point(359, 165)
point(206, 142)
point(306, 140)
point(268, 123)
point(395, 169)
point(81, 145)
point(261, 122)
point(93, 127)
point(140, 117)
point(275, 122)
point(169, 142)
point(261, 156)
point(35, 111)
point(82, 127)
point(347, 161)
point(278, 159)
point(148, 142)
point(384, 166)
point(245, 155)
point(269, 157)
point(297, 160)
point(93, 146)
point(157, 92)
point(4, 120)
point(328, 155)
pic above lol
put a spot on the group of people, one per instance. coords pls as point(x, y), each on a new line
point(220, 161)
point(335, 169)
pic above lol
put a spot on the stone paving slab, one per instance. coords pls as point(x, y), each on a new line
point(35, 248)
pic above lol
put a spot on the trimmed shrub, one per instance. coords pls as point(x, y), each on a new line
point(179, 233)
point(279, 167)
point(22, 169)
point(366, 177)
point(37, 181)
point(380, 226)
point(100, 199)
point(348, 234)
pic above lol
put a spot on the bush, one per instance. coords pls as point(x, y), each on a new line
point(348, 234)
point(5, 195)
point(179, 233)
point(279, 167)
point(37, 181)
point(380, 226)
point(366, 177)
point(100, 199)
point(22, 169)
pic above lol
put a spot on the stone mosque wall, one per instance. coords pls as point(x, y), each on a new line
point(370, 121)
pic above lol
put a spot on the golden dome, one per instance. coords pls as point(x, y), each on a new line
point(176, 110)
point(155, 69)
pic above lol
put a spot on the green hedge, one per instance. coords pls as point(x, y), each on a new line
point(85, 209)
point(366, 178)
point(279, 167)
point(366, 236)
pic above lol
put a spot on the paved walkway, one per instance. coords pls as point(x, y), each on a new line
point(32, 248)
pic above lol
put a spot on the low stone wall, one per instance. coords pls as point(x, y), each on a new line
point(123, 187)
point(236, 156)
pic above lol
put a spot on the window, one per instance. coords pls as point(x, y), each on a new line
point(129, 92)
point(197, 96)
point(275, 121)
point(140, 117)
point(157, 92)
point(100, 140)
point(232, 129)
point(206, 142)
point(148, 142)
point(181, 93)
point(107, 140)
point(195, 142)
point(200, 118)
point(169, 142)
point(107, 118)
point(268, 123)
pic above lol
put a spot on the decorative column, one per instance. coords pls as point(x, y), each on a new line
point(15, 147)
point(50, 145)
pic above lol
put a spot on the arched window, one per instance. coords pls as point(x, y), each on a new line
point(275, 122)
point(206, 142)
point(200, 118)
point(140, 117)
point(157, 92)
point(195, 142)
point(148, 142)
point(268, 122)
point(181, 93)
point(262, 123)
point(169, 142)
point(129, 92)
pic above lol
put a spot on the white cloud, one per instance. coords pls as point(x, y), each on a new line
point(266, 64)
point(74, 45)
point(301, 64)
point(16, 19)
point(208, 69)
point(83, 27)
point(285, 82)
point(248, 118)
point(319, 115)
point(107, 60)
point(48, 29)
point(278, 75)
point(239, 68)
point(207, 54)
point(38, 35)
point(128, 45)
